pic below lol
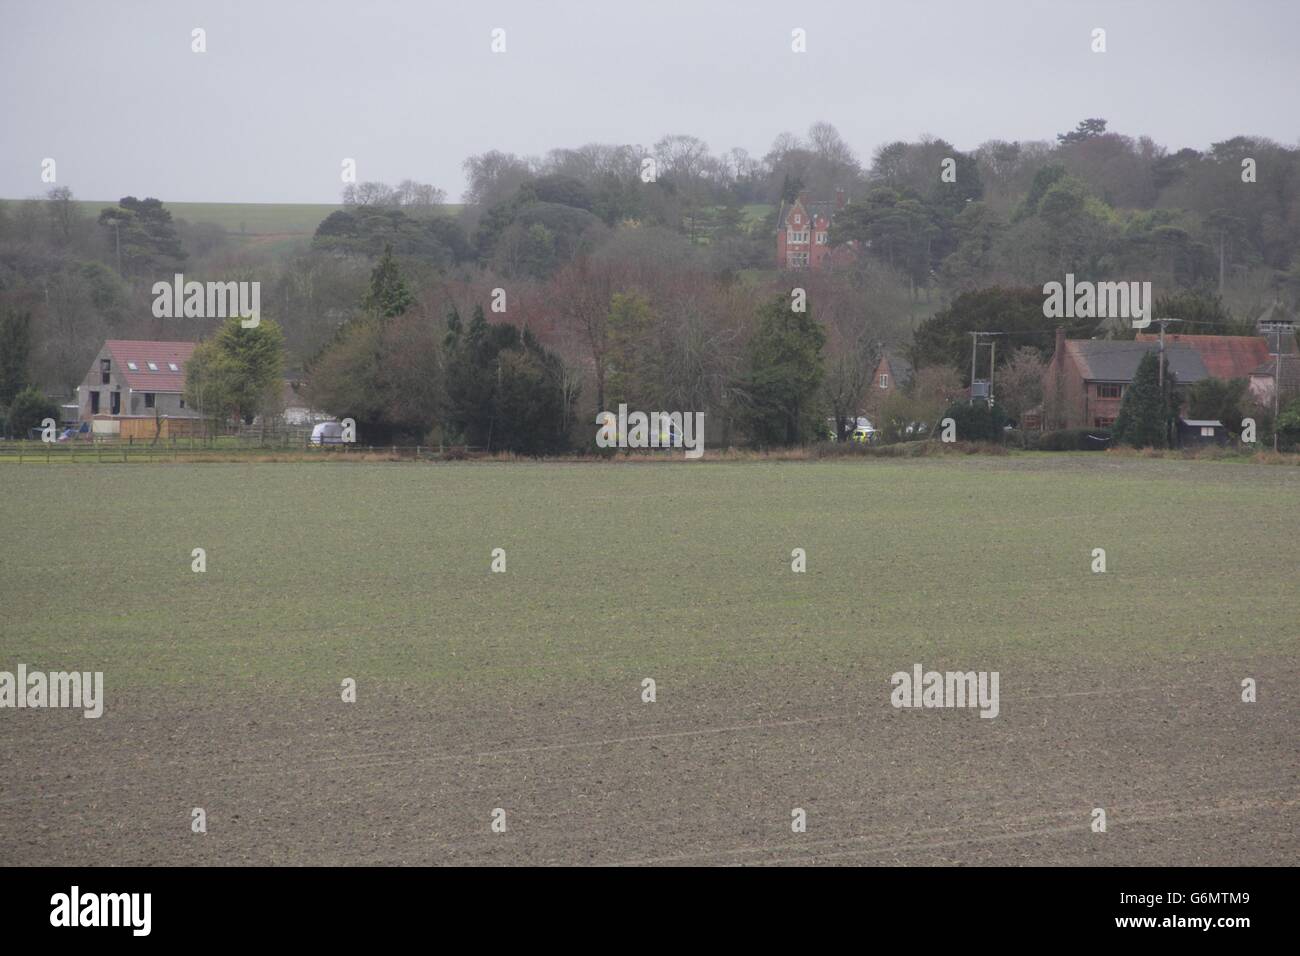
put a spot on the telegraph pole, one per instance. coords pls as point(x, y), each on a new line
point(1163, 323)
point(974, 347)
point(993, 364)
point(974, 351)
point(117, 234)
point(1277, 387)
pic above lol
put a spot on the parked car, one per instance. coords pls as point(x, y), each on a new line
point(863, 430)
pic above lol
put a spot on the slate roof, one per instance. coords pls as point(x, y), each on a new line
point(1110, 360)
point(821, 207)
point(1224, 356)
point(899, 365)
point(1290, 371)
point(162, 354)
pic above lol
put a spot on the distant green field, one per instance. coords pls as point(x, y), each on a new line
point(683, 568)
point(253, 219)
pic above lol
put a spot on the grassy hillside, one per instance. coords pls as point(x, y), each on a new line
point(249, 218)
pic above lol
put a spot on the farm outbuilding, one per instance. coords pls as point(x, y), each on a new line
point(1201, 431)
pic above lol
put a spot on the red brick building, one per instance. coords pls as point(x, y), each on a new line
point(892, 373)
point(803, 234)
point(1086, 378)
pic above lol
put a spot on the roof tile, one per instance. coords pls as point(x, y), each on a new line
point(162, 354)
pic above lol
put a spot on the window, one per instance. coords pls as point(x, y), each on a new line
point(1207, 431)
point(1110, 391)
point(105, 366)
point(798, 219)
point(796, 236)
point(132, 366)
point(148, 399)
point(821, 238)
point(94, 403)
point(182, 403)
point(153, 366)
point(117, 403)
point(796, 259)
point(173, 366)
point(884, 381)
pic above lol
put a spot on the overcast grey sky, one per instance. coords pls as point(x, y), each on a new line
point(285, 91)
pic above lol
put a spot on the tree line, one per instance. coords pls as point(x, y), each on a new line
point(653, 281)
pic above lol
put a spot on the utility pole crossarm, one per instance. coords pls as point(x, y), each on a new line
point(974, 352)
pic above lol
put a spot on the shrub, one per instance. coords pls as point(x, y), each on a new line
point(977, 421)
point(1288, 426)
point(1075, 439)
point(29, 407)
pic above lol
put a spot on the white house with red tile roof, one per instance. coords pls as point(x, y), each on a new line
point(135, 381)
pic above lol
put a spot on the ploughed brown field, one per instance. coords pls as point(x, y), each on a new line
point(523, 691)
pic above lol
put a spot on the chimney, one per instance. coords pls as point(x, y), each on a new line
point(840, 199)
point(1059, 354)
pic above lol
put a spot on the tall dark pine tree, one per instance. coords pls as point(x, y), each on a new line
point(503, 389)
point(389, 295)
point(777, 397)
point(1145, 413)
point(15, 350)
point(143, 234)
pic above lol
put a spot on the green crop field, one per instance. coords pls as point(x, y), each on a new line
point(649, 681)
point(383, 568)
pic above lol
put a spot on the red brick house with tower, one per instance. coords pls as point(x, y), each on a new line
point(803, 234)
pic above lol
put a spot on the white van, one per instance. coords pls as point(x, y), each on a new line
point(327, 433)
